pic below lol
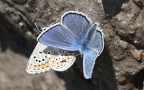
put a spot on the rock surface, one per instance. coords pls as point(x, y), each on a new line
point(119, 67)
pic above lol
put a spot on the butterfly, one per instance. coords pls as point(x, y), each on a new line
point(45, 58)
point(75, 32)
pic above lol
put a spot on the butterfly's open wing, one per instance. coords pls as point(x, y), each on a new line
point(93, 47)
point(59, 37)
point(89, 57)
point(68, 34)
point(45, 58)
point(77, 23)
point(97, 41)
point(94, 38)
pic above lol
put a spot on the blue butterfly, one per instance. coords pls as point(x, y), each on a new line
point(75, 32)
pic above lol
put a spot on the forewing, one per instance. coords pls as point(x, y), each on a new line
point(89, 57)
point(77, 23)
point(59, 37)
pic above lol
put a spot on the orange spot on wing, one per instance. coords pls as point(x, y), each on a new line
point(39, 67)
point(34, 66)
point(58, 64)
point(65, 57)
point(61, 63)
point(53, 62)
point(43, 65)
point(30, 65)
point(47, 64)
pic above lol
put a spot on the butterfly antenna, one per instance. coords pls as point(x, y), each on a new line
point(38, 28)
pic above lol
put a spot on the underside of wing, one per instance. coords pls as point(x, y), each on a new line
point(38, 62)
point(45, 58)
point(62, 60)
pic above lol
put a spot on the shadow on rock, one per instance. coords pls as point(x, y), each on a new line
point(112, 7)
point(15, 42)
point(139, 79)
point(103, 75)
